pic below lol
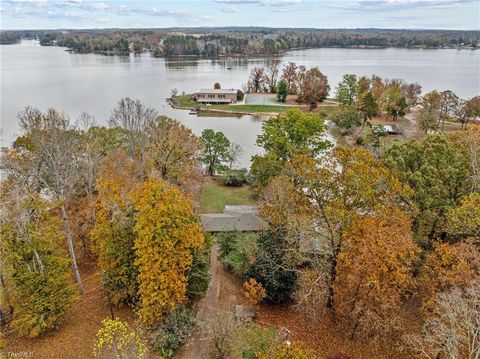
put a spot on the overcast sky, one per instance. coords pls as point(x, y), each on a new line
point(404, 14)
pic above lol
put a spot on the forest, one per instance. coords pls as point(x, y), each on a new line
point(211, 42)
point(376, 250)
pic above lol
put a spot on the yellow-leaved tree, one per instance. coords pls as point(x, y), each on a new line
point(463, 221)
point(167, 231)
point(113, 234)
point(116, 340)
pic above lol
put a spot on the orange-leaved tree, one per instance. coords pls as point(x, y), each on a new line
point(374, 271)
point(167, 231)
point(447, 266)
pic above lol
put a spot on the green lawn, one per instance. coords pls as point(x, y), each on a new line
point(215, 195)
point(185, 101)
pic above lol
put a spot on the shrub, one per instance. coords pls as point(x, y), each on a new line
point(173, 332)
point(250, 339)
point(253, 291)
point(199, 276)
point(238, 251)
point(234, 178)
point(240, 95)
point(284, 351)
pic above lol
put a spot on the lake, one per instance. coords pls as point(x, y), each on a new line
point(51, 77)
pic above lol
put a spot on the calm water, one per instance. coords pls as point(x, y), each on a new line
point(50, 77)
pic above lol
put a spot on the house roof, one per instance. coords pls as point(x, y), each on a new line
point(219, 91)
point(234, 218)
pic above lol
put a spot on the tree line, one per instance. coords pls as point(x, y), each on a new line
point(240, 41)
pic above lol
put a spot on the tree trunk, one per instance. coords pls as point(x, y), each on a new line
point(68, 235)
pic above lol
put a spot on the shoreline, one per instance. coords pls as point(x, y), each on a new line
point(216, 110)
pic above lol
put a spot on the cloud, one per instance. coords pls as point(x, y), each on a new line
point(262, 2)
point(230, 10)
point(372, 5)
point(37, 3)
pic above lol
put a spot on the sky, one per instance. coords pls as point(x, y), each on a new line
point(392, 14)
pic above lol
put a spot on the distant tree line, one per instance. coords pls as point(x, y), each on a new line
point(240, 41)
point(9, 38)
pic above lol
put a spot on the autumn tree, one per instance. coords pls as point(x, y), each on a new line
point(463, 221)
point(256, 79)
point(54, 162)
point(412, 93)
point(448, 266)
point(394, 102)
point(116, 340)
point(253, 291)
point(374, 271)
point(134, 117)
point(113, 234)
point(35, 274)
point(338, 187)
point(167, 231)
point(347, 90)
point(173, 153)
point(289, 74)
point(313, 87)
point(216, 147)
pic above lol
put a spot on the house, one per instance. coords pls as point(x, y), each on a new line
point(225, 96)
point(234, 218)
point(387, 129)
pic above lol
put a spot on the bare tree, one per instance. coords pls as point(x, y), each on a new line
point(55, 163)
point(271, 77)
point(289, 74)
point(453, 329)
point(134, 117)
point(219, 331)
point(234, 152)
point(256, 79)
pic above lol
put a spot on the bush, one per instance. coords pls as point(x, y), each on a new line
point(237, 251)
point(240, 95)
point(199, 276)
point(360, 140)
point(173, 332)
point(234, 178)
point(250, 339)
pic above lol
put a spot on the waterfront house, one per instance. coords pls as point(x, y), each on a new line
point(224, 96)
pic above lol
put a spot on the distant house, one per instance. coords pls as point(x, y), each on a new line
point(225, 96)
point(234, 218)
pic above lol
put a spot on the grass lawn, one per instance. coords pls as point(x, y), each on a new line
point(185, 101)
point(215, 195)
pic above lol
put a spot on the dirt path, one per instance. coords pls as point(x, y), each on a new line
point(223, 293)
